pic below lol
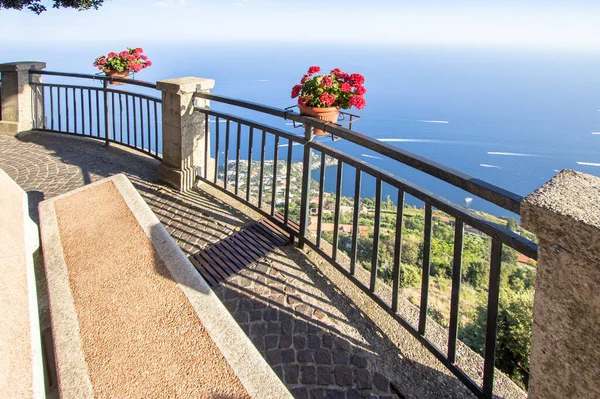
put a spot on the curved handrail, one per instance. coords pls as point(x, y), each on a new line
point(490, 192)
point(133, 82)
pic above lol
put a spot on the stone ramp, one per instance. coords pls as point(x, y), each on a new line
point(21, 371)
point(130, 315)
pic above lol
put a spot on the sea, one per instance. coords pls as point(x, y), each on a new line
point(511, 117)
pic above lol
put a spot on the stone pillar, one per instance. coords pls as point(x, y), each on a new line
point(182, 131)
point(21, 110)
point(565, 349)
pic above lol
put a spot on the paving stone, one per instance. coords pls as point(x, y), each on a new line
point(270, 314)
point(300, 326)
point(258, 330)
point(314, 342)
point(327, 341)
point(273, 327)
point(305, 356)
point(323, 356)
point(285, 341)
point(319, 314)
point(255, 315)
point(304, 310)
point(271, 341)
point(313, 328)
point(299, 342)
point(324, 375)
point(285, 315)
point(342, 344)
point(340, 357)
point(288, 356)
point(343, 375)
point(354, 394)
point(359, 361)
point(381, 382)
point(293, 300)
point(241, 317)
point(246, 329)
point(287, 327)
point(318, 393)
point(299, 393)
point(291, 373)
point(258, 342)
point(362, 378)
point(308, 375)
point(279, 371)
point(335, 394)
point(273, 357)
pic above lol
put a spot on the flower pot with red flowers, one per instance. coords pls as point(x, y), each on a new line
point(121, 64)
point(322, 96)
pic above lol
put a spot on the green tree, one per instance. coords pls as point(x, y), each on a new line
point(38, 8)
point(512, 224)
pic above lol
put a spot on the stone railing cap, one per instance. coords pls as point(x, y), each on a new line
point(571, 194)
point(22, 66)
point(188, 84)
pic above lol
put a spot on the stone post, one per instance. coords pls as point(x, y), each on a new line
point(565, 349)
point(183, 141)
point(21, 110)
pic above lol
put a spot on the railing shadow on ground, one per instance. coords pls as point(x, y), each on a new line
point(95, 161)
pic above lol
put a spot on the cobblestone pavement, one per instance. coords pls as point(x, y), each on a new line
point(317, 340)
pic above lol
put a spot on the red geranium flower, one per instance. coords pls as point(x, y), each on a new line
point(296, 90)
point(327, 81)
point(360, 90)
point(357, 101)
point(345, 87)
point(356, 79)
point(314, 69)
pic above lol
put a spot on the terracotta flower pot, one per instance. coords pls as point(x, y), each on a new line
point(329, 114)
point(117, 74)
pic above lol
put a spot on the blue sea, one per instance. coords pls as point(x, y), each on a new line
point(510, 117)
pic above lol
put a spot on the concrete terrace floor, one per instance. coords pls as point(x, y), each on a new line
point(321, 335)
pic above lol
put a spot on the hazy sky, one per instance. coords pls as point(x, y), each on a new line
point(539, 24)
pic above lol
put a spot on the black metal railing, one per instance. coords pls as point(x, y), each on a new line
point(265, 182)
point(283, 176)
point(102, 112)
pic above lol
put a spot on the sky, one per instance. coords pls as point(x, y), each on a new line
point(527, 24)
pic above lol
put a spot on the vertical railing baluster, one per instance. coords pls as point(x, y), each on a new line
point(274, 189)
point(106, 112)
point(90, 120)
point(206, 147)
point(127, 116)
point(156, 128)
point(67, 108)
point(492, 318)
point(112, 114)
point(376, 228)
point(59, 109)
point(135, 130)
point(321, 193)
point(148, 130)
point(305, 188)
point(51, 108)
point(425, 270)
point(75, 109)
point(216, 149)
point(226, 169)
point(263, 146)
point(336, 215)
point(98, 111)
point(82, 98)
point(287, 183)
point(397, 250)
point(121, 140)
point(44, 118)
point(455, 296)
point(237, 157)
point(249, 171)
point(142, 124)
point(355, 217)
